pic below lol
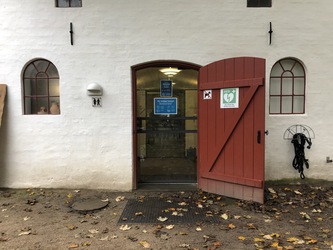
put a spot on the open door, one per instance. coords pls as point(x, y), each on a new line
point(231, 125)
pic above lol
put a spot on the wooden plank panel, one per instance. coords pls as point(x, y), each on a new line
point(239, 131)
point(233, 83)
point(235, 191)
point(3, 88)
point(259, 162)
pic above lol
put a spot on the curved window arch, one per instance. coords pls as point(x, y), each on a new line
point(287, 87)
point(41, 88)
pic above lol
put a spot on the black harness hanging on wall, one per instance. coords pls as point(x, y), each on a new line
point(299, 161)
point(299, 136)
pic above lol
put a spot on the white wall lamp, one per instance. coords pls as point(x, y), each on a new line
point(94, 89)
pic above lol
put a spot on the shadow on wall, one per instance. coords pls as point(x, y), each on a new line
point(3, 145)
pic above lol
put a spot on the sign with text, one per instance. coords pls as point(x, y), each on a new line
point(165, 106)
point(166, 88)
point(229, 98)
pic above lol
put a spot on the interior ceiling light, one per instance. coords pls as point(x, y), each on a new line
point(170, 72)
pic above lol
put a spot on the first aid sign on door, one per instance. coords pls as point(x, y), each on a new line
point(229, 98)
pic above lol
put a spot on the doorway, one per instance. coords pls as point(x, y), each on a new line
point(165, 107)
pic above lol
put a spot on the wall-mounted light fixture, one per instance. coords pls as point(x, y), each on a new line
point(94, 89)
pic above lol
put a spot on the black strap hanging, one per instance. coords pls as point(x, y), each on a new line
point(299, 141)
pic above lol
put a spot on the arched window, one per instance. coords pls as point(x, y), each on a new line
point(287, 87)
point(41, 88)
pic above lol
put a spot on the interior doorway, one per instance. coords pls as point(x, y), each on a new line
point(165, 106)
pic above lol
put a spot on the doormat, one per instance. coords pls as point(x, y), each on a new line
point(155, 210)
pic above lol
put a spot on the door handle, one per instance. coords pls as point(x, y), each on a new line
point(259, 137)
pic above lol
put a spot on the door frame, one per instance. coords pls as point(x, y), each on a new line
point(134, 69)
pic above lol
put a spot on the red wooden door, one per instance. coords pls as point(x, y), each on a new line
point(231, 140)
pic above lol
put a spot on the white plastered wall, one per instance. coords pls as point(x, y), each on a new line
point(88, 147)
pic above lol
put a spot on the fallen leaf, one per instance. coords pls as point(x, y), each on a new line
point(184, 245)
point(292, 239)
point(251, 226)
point(125, 227)
point(162, 218)
point(25, 233)
point(271, 190)
point(26, 218)
point(305, 215)
point(231, 226)
point(71, 227)
point(73, 246)
point(297, 192)
point(138, 214)
point(198, 229)
point(267, 237)
point(182, 204)
point(120, 198)
point(106, 238)
point(86, 243)
point(224, 216)
point(258, 240)
point(170, 227)
point(312, 241)
point(275, 244)
point(93, 231)
point(217, 243)
point(145, 244)
point(241, 237)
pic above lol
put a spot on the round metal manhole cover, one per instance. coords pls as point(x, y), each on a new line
point(89, 204)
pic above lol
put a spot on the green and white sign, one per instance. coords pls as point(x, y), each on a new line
point(229, 98)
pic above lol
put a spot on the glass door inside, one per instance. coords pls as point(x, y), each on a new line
point(167, 140)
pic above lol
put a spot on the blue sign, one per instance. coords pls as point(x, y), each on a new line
point(165, 106)
point(166, 88)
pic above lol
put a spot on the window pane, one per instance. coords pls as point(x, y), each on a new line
point(287, 86)
point(41, 84)
point(299, 86)
point(286, 104)
point(52, 71)
point(42, 106)
point(298, 70)
point(54, 87)
point(299, 104)
point(28, 87)
point(259, 3)
point(275, 86)
point(30, 71)
point(62, 3)
point(41, 65)
point(277, 70)
point(55, 105)
point(288, 64)
point(76, 3)
point(69, 3)
point(30, 106)
point(274, 105)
